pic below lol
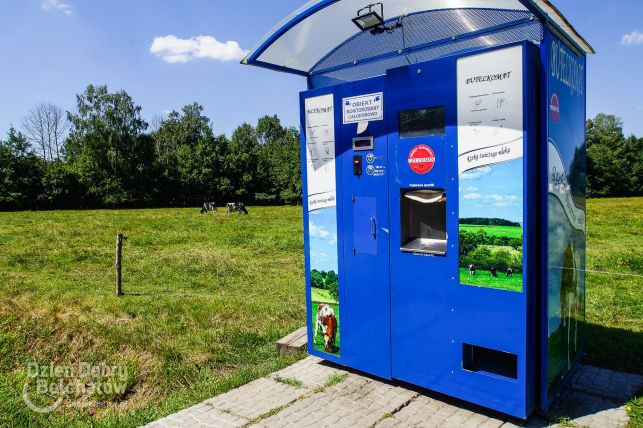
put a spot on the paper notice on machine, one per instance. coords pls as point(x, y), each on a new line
point(490, 108)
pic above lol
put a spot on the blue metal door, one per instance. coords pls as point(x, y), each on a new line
point(363, 192)
point(422, 322)
point(365, 226)
point(469, 342)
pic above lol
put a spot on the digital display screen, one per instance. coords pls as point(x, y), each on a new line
point(363, 143)
point(421, 122)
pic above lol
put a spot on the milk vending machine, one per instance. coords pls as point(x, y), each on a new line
point(443, 164)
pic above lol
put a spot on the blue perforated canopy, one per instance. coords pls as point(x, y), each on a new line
point(320, 41)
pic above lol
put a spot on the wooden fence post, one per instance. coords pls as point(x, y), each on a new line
point(119, 257)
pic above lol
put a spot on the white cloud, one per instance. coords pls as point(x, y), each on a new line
point(318, 231)
point(319, 256)
point(503, 204)
point(500, 198)
point(471, 189)
point(173, 49)
point(476, 173)
point(634, 38)
point(472, 196)
point(322, 233)
point(57, 6)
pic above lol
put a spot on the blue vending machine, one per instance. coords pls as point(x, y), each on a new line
point(443, 164)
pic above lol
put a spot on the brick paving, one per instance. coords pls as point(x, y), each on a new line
point(312, 393)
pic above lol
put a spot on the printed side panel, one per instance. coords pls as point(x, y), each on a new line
point(322, 222)
point(566, 211)
point(490, 164)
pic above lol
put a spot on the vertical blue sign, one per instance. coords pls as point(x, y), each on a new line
point(565, 307)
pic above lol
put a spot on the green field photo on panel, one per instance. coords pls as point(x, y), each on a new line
point(324, 281)
point(491, 229)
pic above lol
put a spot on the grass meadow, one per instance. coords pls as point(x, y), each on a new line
point(207, 297)
point(484, 279)
point(501, 231)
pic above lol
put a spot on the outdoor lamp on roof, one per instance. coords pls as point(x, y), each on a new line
point(368, 19)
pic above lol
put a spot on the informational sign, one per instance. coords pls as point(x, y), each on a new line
point(490, 108)
point(490, 151)
point(322, 223)
point(364, 108)
point(421, 159)
point(320, 152)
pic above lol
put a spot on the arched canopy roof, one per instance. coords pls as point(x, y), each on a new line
point(320, 37)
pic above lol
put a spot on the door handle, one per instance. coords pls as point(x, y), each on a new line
point(373, 228)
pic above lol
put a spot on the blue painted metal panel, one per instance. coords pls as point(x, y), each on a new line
point(365, 266)
point(563, 192)
point(365, 225)
point(432, 315)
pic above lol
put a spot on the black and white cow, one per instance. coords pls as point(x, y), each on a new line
point(237, 207)
point(494, 272)
point(510, 272)
point(472, 270)
point(209, 207)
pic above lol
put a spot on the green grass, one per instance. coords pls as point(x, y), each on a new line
point(321, 296)
point(206, 299)
point(496, 231)
point(334, 379)
point(294, 382)
point(615, 302)
point(484, 279)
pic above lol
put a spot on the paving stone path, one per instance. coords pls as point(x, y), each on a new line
point(312, 393)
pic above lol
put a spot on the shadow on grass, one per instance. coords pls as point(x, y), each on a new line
point(614, 348)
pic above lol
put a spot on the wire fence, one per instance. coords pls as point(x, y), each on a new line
point(601, 272)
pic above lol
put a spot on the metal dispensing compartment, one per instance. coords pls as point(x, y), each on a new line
point(443, 163)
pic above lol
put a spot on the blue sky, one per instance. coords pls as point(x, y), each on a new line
point(322, 225)
point(52, 49)
point(493, 191)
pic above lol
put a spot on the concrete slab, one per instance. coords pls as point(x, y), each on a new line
point(313, 393)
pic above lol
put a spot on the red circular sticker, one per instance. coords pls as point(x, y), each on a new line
point(422, 159)
point(554, 107)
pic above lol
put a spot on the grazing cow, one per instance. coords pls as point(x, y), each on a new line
point(208, 207)
point(494, 272)
point(472, 270)
point(510, 272)
point(327, 321)
point(237, 207)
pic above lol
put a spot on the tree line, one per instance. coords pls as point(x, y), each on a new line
point(485, 221)
point(614, 161)
point(104, 154)
point(485, 251)
point(328, 281)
